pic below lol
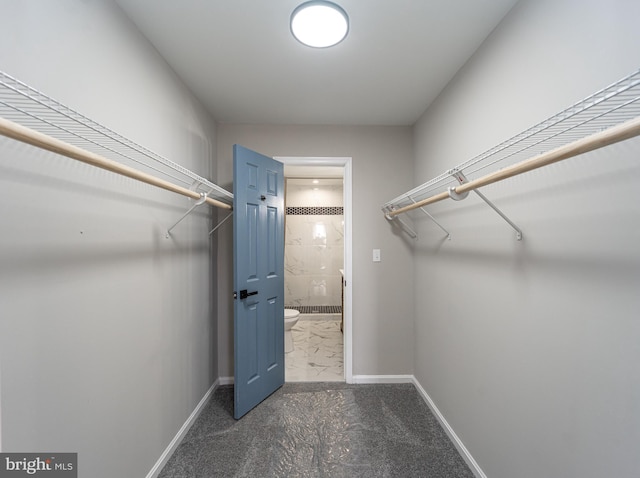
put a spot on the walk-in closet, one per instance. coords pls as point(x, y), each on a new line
point(471, 241)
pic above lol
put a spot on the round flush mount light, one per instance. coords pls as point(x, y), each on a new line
point(319, 24)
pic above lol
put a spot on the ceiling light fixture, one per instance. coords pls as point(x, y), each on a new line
point(319, 24)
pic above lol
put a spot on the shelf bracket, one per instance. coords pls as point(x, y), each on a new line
point(433, 219)
point(203, 198)
point(462, 179)
point(220, 223)
point(405, 226)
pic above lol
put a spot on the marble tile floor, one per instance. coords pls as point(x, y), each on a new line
point(318, 351)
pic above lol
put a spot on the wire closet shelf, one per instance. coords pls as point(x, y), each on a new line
point(609, 107)
point(30, 108)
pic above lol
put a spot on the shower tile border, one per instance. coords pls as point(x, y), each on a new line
point(316, 309)
point(315, 211)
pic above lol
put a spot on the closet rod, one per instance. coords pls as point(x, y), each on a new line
point(609, 136)
point(34, 138)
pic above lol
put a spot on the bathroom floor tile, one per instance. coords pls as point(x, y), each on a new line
point(317, 354)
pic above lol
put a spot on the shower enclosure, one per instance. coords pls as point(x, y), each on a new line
point(314, 245)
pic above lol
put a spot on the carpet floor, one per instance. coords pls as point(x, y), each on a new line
point(330, 430)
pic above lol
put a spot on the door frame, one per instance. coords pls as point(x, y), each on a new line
point(346, 164)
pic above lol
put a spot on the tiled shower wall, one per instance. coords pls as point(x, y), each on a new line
point(314, 242)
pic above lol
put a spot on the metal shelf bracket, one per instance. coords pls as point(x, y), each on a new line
point(409, 230)
point(457, 174)
point(462, 179)
point(199, 202)
point(220, 223)
point(433, 219)
point(405, 226)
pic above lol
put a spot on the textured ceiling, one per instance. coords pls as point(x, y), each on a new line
point(240, 59)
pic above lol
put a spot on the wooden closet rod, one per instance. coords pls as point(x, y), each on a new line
point(21, 133)
point(612, 135)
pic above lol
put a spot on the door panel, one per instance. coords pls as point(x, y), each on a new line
point(251, 334)
point(272, 242)
point(251, 241)
point(258, 278)
point(272, 333)
point(272, 183)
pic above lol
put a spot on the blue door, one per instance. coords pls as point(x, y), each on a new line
point(258, 230)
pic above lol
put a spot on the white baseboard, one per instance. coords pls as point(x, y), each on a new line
point(382, 379)
point(225, 381)
point(475, 468)
point(157, 468)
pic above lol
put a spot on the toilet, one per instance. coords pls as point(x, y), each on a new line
point(291, 316)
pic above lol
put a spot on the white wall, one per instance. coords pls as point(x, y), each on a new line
point(382, 314)
point(530, 349)
point(107, 339)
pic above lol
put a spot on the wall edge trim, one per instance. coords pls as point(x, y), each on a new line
point(457, 442)
point(175, 442)
point(383, 379)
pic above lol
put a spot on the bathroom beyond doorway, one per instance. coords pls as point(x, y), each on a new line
point(323, 168)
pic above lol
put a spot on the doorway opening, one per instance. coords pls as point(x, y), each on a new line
point(318, 239)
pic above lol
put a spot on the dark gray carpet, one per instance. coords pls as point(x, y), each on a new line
point(319, 430)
